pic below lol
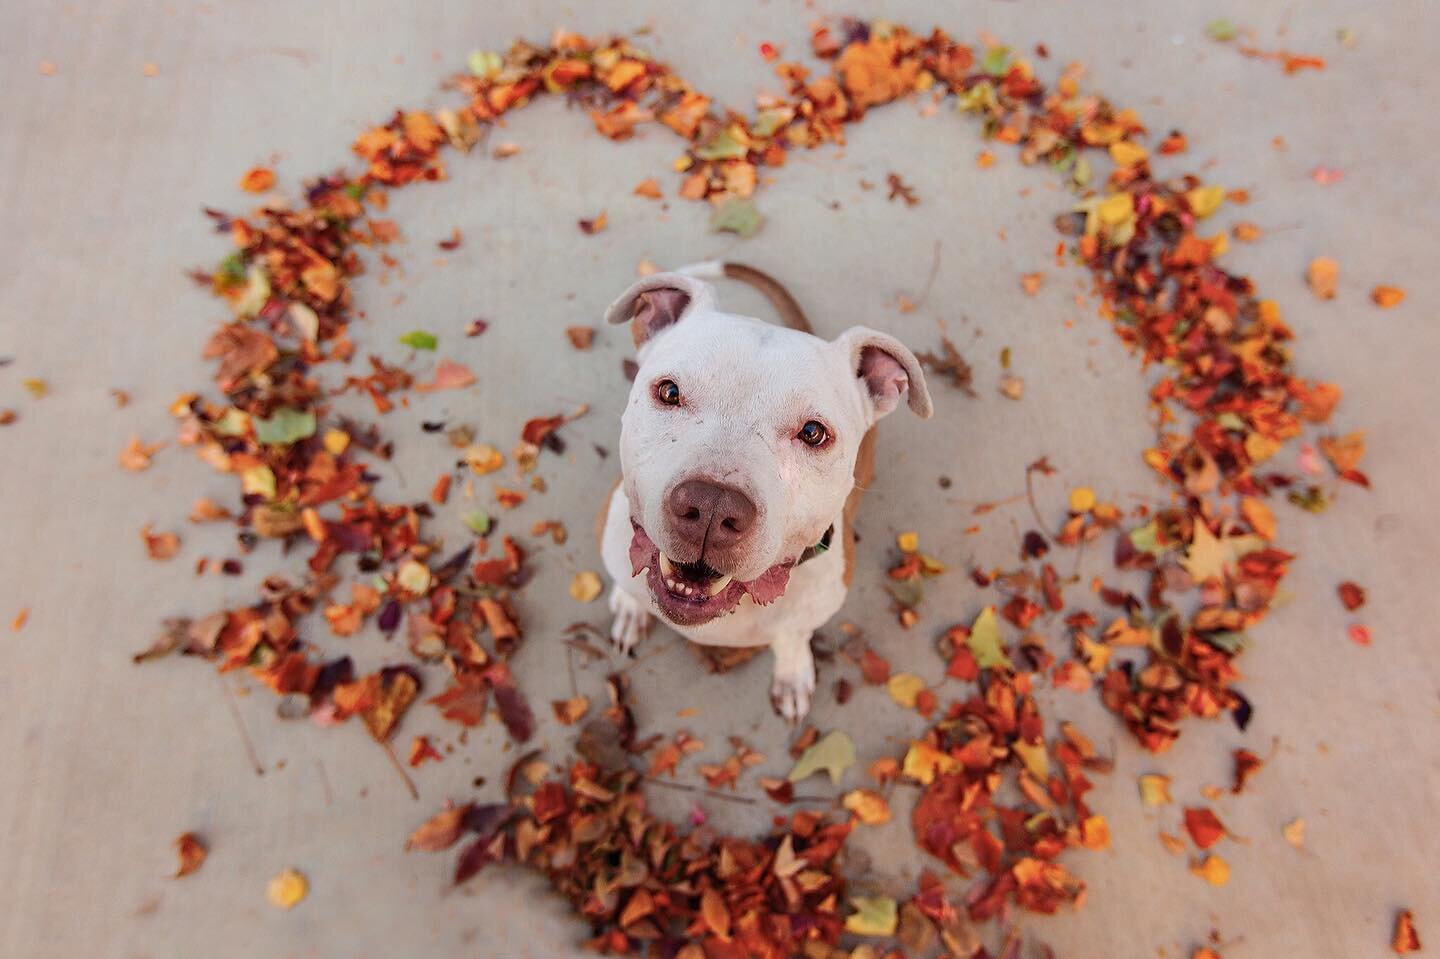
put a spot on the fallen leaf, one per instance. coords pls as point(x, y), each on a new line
point(736, 215)
point(834, 754)
point(257, 179)
point(449, 375)
point(21, 618)
point(136, 456)
point(1294, 833)
point(591, 227)
point(1323, 274)
point(904, 688)
point(160, 546)
point(868, 806)
point(1031, 282)
point(984, 641)
point(287, 889)
point(1155, 789)
point(1213, 870)
point(1359, 635)
point(648, 188)
point(441, 831)
point(1407, 937)
point(191, 851)
point(873, 916)
point(1204, 826)
point(1387, 296)
point(585, 586)
point(581, 337)
point(420, 340)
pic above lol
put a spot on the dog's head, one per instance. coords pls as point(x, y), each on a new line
point(739, 440)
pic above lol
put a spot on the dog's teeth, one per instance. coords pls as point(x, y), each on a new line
point(666, 567)
point(717, 587)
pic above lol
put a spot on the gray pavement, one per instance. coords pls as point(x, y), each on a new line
point(104, 172)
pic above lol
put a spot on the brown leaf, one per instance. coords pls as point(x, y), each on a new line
point(441, 831)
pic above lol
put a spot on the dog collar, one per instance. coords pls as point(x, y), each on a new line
point(813, 551)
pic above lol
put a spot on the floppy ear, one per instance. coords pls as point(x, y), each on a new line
point(659, 301)
point(884, 369)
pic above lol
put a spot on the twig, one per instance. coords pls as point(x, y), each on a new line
point(395, 761)
point(1030, 498)
point(930, 280)
point(325, 781)
point(683, 787)
point(244, 733)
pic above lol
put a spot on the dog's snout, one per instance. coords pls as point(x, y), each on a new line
point(710, 514)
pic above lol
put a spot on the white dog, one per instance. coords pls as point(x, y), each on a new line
point(744, 447)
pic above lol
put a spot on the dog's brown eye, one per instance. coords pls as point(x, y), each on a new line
point(667, 392)
point(812, 433)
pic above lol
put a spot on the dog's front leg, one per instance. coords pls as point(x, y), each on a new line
point(794, 675)
point(631, 622)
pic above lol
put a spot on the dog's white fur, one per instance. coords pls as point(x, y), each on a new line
point(749, 386)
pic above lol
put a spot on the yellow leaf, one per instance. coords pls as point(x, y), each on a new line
point(1034, 757)
point(336, 441)
point(923, 761)
point(1125, 153)
point(1294, 833)
point(908, 542)
point(1116, 209)
point(287, 889)
point(1213, 870)
point(904, 687)
point(1082, 498)
point(484, 458)
point(875, 916)
point(1155, 789)
point(414, 577)
point(1260, 448)
point(585, 586)
point(868, 806)
point(259, 481)
point(1205, 200)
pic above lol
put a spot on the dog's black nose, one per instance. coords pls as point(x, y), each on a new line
point(710, 514)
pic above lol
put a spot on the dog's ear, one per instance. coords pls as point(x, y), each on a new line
point(659, 301)
point(884, 368)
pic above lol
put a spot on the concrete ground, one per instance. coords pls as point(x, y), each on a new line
point(104, 173)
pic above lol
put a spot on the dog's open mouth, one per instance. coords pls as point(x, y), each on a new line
point(689, 594)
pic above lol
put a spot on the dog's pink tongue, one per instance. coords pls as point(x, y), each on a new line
point(769, 585)
point(642, 552)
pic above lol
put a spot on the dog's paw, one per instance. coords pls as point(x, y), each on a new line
point(790, 694)
point(630, 623)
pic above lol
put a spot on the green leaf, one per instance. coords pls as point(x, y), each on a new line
point(723, 146)
point(736, 216)
point(478, 521)
point(232, 269)
point(1147, 539)
point(287, 425)
point(419, 340)
point(996, 62)
point(1230, 642)
point(834, 754)
point(484, 63)
point(873, 916)
point(984, 641)
point(1221, 30)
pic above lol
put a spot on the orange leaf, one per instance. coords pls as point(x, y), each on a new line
point(1387, 296)
point(191, 851)
point(1323, 274)
point(257, 179)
